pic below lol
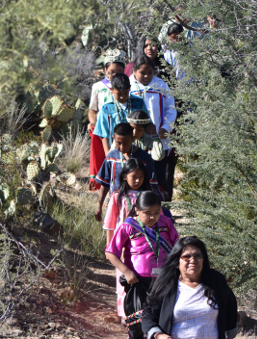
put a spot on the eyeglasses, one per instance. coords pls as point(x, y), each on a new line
point(188, 257)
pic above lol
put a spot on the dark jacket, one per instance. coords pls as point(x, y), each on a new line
point(161, 314)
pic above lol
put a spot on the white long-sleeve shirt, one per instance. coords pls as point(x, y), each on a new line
point(159, 102)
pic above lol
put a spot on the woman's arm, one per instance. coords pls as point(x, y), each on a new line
point(130, 276)
point(92, 117)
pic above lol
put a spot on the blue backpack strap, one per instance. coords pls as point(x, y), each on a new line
point(150, 233)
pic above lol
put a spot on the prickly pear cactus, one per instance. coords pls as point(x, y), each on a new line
point(11, 209)
point(52, 168)
point(23, 153)
point(4, 192)
point(65, 113)
point(46, 133)
point(56, 102)
point(23, 195)
point(42, 155)
point(47, 109)
point(32, 170)
point(43, 123)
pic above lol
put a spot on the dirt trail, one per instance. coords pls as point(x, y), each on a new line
point(52, 311)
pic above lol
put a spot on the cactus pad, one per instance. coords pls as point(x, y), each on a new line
point(24, 196)
point(43, 155)
point(33, 170)
point(47, 109)
point(66, 113)
point(56, 104)
point(67, 178)
point(78, 103)
point(52, 168)
point(11, 210)
point(23, 153)
point(43, 123)
point(4, 192)
point(46, 133)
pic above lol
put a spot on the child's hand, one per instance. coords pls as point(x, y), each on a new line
point(131, 277)
point(98, 214)
point(162, 132)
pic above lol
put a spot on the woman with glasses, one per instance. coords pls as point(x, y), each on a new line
point(189, 300)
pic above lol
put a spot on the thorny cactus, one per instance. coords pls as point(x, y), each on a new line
point(38, 162)
point(56, 114)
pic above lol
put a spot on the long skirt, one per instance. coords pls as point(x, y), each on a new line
point(97, 157)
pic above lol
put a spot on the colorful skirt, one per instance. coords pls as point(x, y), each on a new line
point(97, 157)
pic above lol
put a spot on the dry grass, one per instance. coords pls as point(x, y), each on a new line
point(14, 121)
point(75, 155)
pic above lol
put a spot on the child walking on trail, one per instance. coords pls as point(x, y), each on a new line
point(116, 109)
point(147, 237)
point(114, 63)
point(161, 108)
point(134, 178)
point(139, 121)
point(109, 175)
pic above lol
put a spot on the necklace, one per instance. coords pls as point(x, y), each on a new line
point(128, 202)
point(139, 91)
point(131, 155)
point(120, 111)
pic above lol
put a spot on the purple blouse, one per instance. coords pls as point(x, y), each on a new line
point(138, 255)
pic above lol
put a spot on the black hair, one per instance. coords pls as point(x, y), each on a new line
point(138, 114)
point(108, 64)
point(159, 69)
point(123, 129)
point(120, 81)
point(141, 46)
point(131, 165)
point(144, 201)
point(167, 280)
point(175, 28)
point(142, 60)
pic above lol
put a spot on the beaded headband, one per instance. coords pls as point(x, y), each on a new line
point(114, 55)
point(138, 121)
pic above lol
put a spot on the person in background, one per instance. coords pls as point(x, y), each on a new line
point(151, 49)
point(189, 299)
point(174, 35)
point(109, 175)
point(116, 109)
point(147, 237)
point(114, 62)
point(161, 107)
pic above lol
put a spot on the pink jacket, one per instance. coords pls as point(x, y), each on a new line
point(138, 255)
